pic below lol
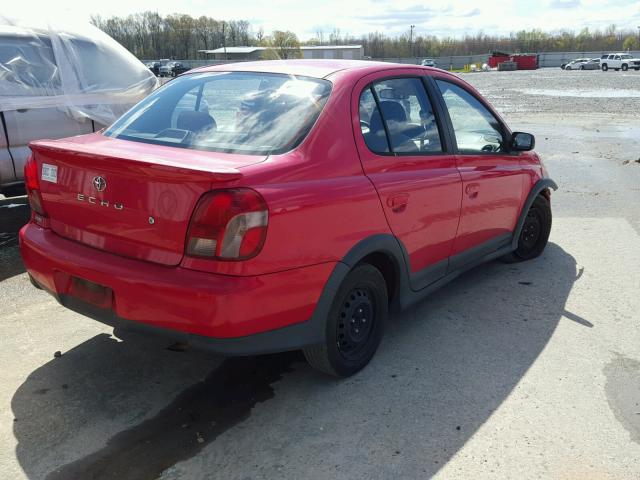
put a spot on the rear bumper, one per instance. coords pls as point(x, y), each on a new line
point(225, 314)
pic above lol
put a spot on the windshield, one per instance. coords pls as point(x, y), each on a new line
point(233, 112)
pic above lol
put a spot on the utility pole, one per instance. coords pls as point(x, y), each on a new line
point(411, 39)
point(224, 41)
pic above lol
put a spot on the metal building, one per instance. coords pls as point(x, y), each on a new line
point(351, 52)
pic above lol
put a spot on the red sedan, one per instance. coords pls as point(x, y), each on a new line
point(271, 206)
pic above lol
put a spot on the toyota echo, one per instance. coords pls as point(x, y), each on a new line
point(271, 206)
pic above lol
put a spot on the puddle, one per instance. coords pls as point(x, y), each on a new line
point(623, 393)
point(13, 205)
point(600, 93)
point(194, 419)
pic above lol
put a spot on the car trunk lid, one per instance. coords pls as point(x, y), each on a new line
point(125, 197)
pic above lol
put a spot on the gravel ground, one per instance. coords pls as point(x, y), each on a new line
point(557, 92)
point(512, 371)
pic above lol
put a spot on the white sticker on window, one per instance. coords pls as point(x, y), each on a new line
point(50, 173)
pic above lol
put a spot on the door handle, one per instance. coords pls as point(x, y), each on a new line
point(399, 202)
point(472, 190)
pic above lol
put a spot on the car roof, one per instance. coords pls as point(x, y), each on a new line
point(307, 67)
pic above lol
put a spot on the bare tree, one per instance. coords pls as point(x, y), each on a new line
point(150, 35)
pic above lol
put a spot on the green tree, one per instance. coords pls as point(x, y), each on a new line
point(282, 45)
point(631, 43)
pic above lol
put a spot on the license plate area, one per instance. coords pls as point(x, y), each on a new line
point(89, 292)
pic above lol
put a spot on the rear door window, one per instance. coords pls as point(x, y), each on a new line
point(401, 110)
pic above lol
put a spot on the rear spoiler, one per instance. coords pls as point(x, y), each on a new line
point(166, 164)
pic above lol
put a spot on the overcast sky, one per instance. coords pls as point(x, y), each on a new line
point(305, 17)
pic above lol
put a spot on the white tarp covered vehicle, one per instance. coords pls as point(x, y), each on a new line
point(57, 82)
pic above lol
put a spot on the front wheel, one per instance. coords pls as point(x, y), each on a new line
point(605, 67)
point(535, 232)
point(354, 324)
point(625, 67)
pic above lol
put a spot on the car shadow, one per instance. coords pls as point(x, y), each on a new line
point(130, 409)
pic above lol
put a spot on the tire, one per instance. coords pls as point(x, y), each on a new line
point(605, 67)
point(636, 69)
point(535, 232)
point(625, 67)
point(568, 67)
point(351, 342)
point(581, 67)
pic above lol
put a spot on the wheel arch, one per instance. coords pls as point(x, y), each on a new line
point(542, 186)
point(389, 256)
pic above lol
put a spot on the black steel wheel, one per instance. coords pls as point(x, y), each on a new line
point(535, 231)
point(355, 322)
point(354, 325)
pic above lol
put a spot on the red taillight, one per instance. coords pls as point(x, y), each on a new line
point(32, 184)
point(228, 225)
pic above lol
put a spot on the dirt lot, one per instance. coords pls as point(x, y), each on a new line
point(511, 371)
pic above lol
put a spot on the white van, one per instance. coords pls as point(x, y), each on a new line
point(56, 84)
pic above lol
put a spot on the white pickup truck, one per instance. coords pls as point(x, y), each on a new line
point(619, 61)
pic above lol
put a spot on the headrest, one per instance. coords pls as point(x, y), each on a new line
point(393, 111)
point(195, 122)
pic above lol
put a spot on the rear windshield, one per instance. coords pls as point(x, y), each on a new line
point(234, 112)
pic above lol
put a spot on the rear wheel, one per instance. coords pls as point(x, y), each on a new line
point(535, 232)
point(354, 325)
point(581, 67)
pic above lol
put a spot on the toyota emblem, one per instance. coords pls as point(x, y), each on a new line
point(99, 183)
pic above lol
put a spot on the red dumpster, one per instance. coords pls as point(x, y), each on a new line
point(525, 61)
point(496, 58)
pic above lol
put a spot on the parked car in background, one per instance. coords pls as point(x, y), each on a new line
point(172, 69)
point(428, 62)
point(575, 64)
point(154, 67)
point(294, 211)
point(593, 64)
point(619, 61)
point(57, 84)
point(584, 64)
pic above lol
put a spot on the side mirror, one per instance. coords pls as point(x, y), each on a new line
point(522, 142)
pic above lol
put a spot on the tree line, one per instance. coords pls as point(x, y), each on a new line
point(149, 35)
